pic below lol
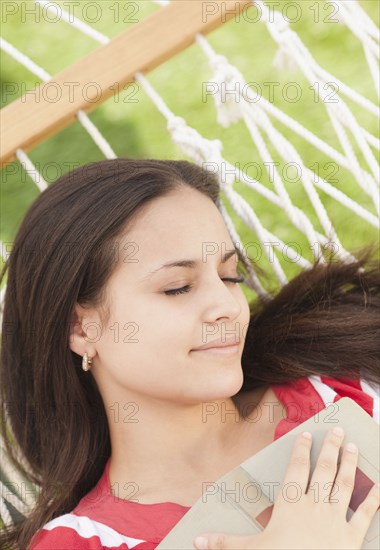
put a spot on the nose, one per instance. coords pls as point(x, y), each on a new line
point(222, 300)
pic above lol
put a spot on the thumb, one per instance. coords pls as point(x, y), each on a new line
point(220, 541)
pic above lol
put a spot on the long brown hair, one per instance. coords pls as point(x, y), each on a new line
point(63, 254)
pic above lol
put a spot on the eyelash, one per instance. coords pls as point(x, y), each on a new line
point(187, 288)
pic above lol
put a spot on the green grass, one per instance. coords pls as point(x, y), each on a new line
point(137, 129)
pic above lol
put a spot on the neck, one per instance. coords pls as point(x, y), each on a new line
point(159, 444)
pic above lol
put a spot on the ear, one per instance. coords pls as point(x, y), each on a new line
point(83, 331)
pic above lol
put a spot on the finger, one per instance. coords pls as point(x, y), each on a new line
point(299, 464)
point(221, 541)
point(341, 492)
point(362, 518)
point(325, 470)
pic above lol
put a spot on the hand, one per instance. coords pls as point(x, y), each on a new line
point(311, 523)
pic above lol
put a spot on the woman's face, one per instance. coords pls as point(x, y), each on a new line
point(147, 346)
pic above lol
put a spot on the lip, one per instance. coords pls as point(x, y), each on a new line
point(217, 345)
point(219, 350)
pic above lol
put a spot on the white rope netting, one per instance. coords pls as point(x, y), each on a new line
point(357, 145)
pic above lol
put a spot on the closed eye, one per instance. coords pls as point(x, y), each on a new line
point(187, 288)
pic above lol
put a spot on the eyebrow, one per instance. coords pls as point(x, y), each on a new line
point(188, 263)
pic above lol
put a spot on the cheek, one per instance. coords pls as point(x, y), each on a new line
point(149, 332)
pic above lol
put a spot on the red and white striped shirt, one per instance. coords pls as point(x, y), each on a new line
point(102, 520)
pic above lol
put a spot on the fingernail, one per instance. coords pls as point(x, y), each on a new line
point(201, 543)
point(338, 431)
point(306, 435)
point(351, 447)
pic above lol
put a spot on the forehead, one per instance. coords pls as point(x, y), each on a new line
point(182, 225)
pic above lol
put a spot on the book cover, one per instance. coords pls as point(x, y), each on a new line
point(241, 502)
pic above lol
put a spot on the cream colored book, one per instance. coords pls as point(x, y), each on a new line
point(241, 502)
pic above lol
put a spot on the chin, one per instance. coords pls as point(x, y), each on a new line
point(226, 386)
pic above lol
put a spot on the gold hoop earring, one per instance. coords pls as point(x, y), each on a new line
point(86, 362)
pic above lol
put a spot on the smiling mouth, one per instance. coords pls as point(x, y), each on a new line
point(221, 350)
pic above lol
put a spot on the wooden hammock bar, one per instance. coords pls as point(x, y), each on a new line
point(31, 119)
